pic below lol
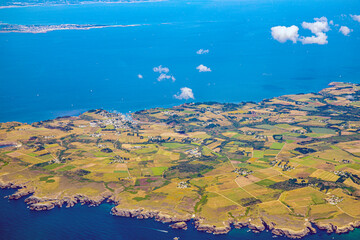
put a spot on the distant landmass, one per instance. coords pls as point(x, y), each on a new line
point(7, 28)
point(286, 164)
point(29, 3)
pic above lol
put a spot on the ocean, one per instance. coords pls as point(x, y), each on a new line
point(66, 72)
point(17, 222)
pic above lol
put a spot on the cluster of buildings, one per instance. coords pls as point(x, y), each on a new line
point(299, 131)
point(169, 113)
point(323, 120)
point(195, 152)
point(96, 135)
point(250, 133)
point(333, 200)
point(256, 119)
point(183, 185)
point(285, 167)
point(190, 140)
point(117, 120)
point(273, 162)
point(49, 137)
point(261, 137)
point(101, 146)
point(156, 139)
point(118, 159)
point(55, 160)
point(345, 161)
point(211, 109)
point(243, 171)
point(341, 173)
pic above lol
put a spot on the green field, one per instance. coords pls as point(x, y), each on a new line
point(265, 182)
point(323, 130)
point(277, 145)
point(158, 171)
point(52, 166)
point(66, 168)
point(270, 163)
point(258, 154)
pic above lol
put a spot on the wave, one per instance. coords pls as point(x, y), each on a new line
point(159, 230)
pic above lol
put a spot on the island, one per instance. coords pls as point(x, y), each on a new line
point(290, 164)
point(17, 28)
point(36, 3)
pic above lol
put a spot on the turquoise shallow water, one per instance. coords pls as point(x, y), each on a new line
point(66, 72)
point(82, 222)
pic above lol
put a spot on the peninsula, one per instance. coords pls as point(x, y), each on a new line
point(285, 164)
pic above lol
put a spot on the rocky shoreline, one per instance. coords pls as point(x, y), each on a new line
point(43, 203)
point(330, 228)
point(177, 222)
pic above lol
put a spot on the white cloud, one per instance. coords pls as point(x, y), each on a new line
point(202, 51)
point(355, 17)
point(320, 38)
point(321, 25)
point(203, 68)
point(322, 19)
point(331, 22)
point(140, 76)
point(319, 28)
point(161, 69)
point(345, 30)
point(283, 34)
point(164, 76)
point(186, 93)
point(163, 73)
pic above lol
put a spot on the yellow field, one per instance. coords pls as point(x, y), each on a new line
point(277, 162)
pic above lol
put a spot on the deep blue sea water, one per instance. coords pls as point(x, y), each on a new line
point(17, 222)
point(66, 72)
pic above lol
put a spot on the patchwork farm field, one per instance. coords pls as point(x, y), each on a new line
point(292, 161)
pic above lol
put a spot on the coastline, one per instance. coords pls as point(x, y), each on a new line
point(175, 222)
point(277, 156)
point(262, 221)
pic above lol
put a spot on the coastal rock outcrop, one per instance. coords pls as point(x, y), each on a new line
point(211, 228)
point(179, 225)
point(141, 213)
point(41, 206)
point(330, 228)
point(349, 227)
point(290, 233)
point(38, 203)
point(12, 185)
point(255, 227)
point(279, 231)
point(21, 193)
